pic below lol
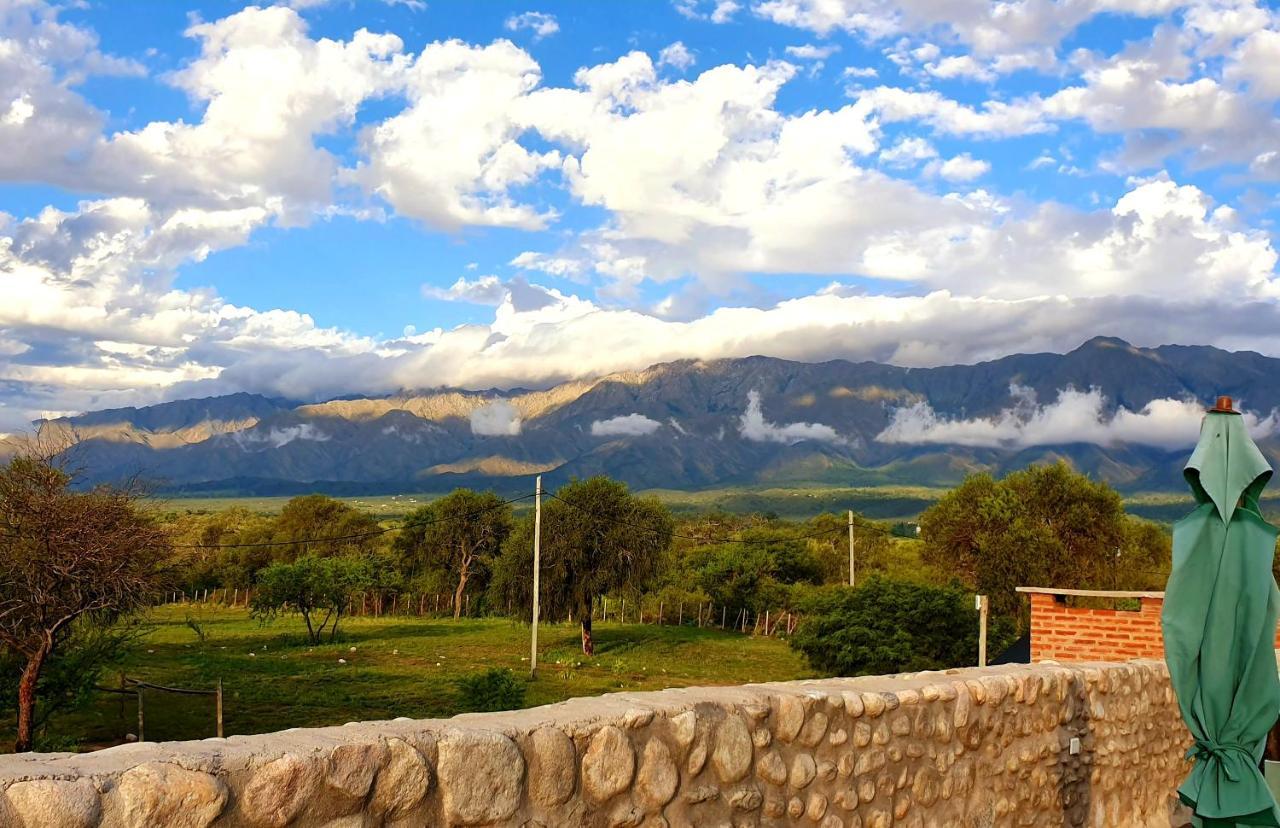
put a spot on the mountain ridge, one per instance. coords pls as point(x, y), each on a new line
point(1118, 411)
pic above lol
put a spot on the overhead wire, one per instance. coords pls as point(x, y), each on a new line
point(357, 535)
point(445, 519)
point(818, 534)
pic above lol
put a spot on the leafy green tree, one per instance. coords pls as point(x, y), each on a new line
point(1042, 526)
point(459, 534)
point(320, 516)
point(888, 626)
point(318, 589)
point(597, 538)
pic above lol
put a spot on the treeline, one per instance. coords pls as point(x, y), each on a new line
point(1042, 526)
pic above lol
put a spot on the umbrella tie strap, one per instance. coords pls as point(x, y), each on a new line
point(1205, 750)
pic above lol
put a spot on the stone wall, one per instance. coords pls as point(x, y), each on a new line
point(989, 747)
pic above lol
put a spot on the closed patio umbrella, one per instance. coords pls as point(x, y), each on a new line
point(1219, 624)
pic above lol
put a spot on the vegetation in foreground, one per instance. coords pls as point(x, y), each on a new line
point(415, 667)
point(319, 558)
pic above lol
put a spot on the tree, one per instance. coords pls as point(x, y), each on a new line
point(460, 534)
point(67, 555)
point(596, 538)
point(311, 587)
point(889, 626)
point(1042, 526)
point(320, 516)
point(70, 674)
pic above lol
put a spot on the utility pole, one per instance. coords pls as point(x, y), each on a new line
point(850, 547)
point(981, 606)
point(537, 567)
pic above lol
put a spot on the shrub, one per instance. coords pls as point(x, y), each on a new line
point(494, 689)
point(888, 626)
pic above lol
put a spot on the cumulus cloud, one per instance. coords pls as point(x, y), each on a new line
point(455, 171)
point(716, 11)
point(496, 419)
point(677, 55)
point(1074, 417)
point(540, 23)
point(485, 290)
point(962, 167)
point(625, 425)
point(753, 426)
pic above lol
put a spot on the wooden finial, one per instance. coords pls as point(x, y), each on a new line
point(1223, 406)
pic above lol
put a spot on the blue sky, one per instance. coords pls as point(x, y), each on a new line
point(321, 198)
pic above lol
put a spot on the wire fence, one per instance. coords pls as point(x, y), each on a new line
point(138, 688)
point(649, 609)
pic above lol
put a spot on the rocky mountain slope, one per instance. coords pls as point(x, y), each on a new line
point(1123, 413)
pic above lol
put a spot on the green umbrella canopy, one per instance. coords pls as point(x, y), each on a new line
point(1219, 625)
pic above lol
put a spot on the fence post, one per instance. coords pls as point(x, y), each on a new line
point(141, 735)
point(660, 613)
point(219, 708)
point(680, 619)
point(723, 612)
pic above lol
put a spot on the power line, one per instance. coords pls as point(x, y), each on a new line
point(369, 534)
point(818, 534)
point(382, 531)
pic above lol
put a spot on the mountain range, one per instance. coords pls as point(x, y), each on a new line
point(1122, 413)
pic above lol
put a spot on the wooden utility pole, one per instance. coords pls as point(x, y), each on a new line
point(850, 547)
point(981, 606)
point(537, 567)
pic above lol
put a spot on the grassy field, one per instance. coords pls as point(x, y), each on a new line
point(400, 667)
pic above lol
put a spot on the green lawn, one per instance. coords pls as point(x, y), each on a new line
point(400, 667)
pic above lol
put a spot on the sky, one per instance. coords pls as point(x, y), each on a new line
point(323, 198)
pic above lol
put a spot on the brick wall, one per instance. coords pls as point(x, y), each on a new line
point(1063, 633)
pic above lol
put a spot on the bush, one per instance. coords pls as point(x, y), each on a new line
point(494, 689)
point(888, 626)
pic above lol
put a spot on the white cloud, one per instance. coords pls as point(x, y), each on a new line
point(496, 419)
point(753, 426)
point(1074, 417)
point(540, 23)
point(992, 119)
point(960, 66)
point(486, 290)
point(909, 151)
point(625, 425)
point(962, 167)
point(811, 51)
point(278, 436)
point(986, 26)
point(677, 55)
point(717, 11)
point(451, 157)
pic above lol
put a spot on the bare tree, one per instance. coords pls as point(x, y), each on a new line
point(66, 555)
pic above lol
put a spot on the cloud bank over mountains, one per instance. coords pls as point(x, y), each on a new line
point(1074, 417)
point(700, 180)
